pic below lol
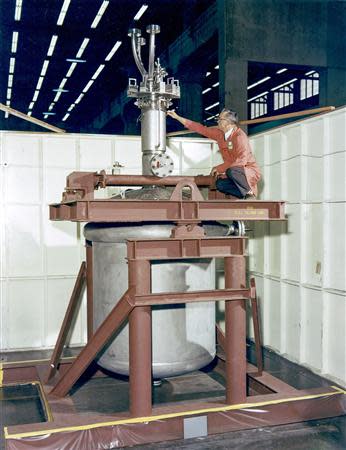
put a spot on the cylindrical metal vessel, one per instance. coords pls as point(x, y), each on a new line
point(153, 134)
point(183, 335)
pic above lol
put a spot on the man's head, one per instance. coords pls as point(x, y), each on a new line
point(227, 119)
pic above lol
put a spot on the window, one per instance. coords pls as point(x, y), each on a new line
point(258, 106)
point(283, 96)
point(310, 85)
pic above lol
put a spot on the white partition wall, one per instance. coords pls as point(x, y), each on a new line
point(300, 266)
point(39, 259)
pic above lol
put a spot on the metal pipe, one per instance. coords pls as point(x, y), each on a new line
point(135, 37)
point(147, 180)
point(140, 370)
point(235, 315)
point(152, 30)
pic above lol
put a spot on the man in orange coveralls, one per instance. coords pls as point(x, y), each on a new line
point(239, 174)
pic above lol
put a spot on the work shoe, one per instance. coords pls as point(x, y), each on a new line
point(250, 197)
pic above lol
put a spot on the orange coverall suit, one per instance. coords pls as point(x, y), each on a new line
point(236, 153)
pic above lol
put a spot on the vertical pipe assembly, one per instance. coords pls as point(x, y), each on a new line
point(140, 370)
point(235, 317)
point(154, 96)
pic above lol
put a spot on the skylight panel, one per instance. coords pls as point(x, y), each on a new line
point(82, 47)
point(259, 82)
point(52, 45)
point(140, 12)
point(100, 13)
point(18, 10)
point(114, 49)
point(71, 69)
point(14, 41)
point(63, 12)
point(98, 71)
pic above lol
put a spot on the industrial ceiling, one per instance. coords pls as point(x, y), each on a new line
point(62, 61)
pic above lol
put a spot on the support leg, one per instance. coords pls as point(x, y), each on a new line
point(235, 315)
point(66, 325)
point(258, 344)
point(140, 343)
point(90, 289)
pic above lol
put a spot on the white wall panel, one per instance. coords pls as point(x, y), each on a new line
point(197, 156)
point(335, 250)
point(23, 185)
point(291, 296)
point(95, 152)
point(312, 328)
point(337, 129)
point(273, 303)
point(23, 239)
point(312, 267)
point(335, 361)
point(21, 150)
point(128, 153)
point(59, 151)
point(291, 241)
point(312, 244)
point(24, 319)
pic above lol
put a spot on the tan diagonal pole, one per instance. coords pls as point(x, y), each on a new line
point(23, 116)
point(266, 119)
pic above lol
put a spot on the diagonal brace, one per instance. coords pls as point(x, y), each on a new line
point(101, 336)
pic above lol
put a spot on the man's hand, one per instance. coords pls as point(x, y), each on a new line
point(214, 172)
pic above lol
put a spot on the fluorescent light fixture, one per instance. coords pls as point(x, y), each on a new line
point(56, 98)
point(114, 49)
point(206, 90)
point(71, 69)
point(98, 71)
point(281, 70)
point(31, 106)
point(47, 113)
point(9, 93)
point(39, 83)
point(207, 74)
point(44, 68)
point(63, 12)
point(99, 14)
point(211, 118)
point(75, 60)
point(257, 96)
point(79, 99)
point(66, 116)
point(216, 84)
point(63, 82)
point(10, 80)
point(46, 116)
point(29, 113)
point(35, 96)
point(14, 41)
point(52, 45)
point(51, 106)
point(211, 106)
point(140, 12)
point(71, 107)
point(216, 67)
point(311, 72)
point(88, 86)
point(82, 47)
point(12, 64)
point(18, 10)
point(284, 84)
point(258, 82)
point(8, 103)
point(60, 90)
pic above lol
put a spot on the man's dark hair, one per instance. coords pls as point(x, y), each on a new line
point(230, 116)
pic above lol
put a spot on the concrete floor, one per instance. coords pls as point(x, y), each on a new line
point(110, 395)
